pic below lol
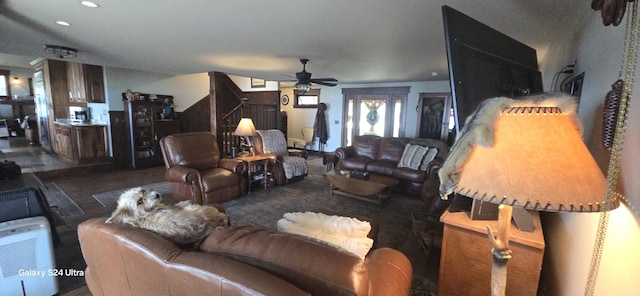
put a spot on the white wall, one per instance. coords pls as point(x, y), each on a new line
point(332, 96)
point(570, 236)
point(185, 89)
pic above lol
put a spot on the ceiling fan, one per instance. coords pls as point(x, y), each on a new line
point(304, 79)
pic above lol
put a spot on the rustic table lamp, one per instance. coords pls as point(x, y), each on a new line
point(245, 130)
point(528, 154)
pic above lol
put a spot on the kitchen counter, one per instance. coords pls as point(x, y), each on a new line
point(81, 141)
point(73, 122)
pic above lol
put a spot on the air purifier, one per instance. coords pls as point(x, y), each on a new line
point(27, 265)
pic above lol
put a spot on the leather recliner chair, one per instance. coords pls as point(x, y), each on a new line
point(287, 166)
point(198, 173)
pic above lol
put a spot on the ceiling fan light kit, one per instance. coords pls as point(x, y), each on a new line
point(61, 52)
point(304, 81)
point(302, 88)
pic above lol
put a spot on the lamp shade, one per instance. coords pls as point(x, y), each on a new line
point(245, 128)
point(537, 161)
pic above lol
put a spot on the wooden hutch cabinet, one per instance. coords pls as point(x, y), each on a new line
point(146, 127)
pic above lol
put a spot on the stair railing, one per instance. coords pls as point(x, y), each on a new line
point(229, 124)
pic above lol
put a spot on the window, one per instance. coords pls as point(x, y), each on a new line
point(5, 90)
point(311, 99)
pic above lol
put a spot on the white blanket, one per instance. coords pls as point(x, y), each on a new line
point(345, 233)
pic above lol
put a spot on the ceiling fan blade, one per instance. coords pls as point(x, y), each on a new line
point(323, 83)
point(324, 79)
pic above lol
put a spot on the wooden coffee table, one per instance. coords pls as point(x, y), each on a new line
point(375, 189)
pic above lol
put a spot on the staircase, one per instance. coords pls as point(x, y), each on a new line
point(229, 104)
point(229, 125)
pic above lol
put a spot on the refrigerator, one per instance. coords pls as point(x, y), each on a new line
point(40, 100)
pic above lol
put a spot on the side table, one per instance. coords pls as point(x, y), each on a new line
point(330, 160)
point(465, 260)
point(253, 164)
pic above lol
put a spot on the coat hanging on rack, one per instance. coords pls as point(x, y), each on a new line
point(320, 127)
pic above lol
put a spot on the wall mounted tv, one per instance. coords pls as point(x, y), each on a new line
point(484, 63)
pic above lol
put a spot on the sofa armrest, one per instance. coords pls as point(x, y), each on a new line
point(434, 166)
point(430, 189)
point(182, 174)
point(390, 272)
point(345, 152)
point(235, 165)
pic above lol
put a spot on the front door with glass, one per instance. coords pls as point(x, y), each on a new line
point(373, 111)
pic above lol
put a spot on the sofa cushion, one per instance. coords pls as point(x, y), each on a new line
point(409, 174)
point(382, 167)
point(310, 265)
point(391, 149)
point(412, 156)
point(366, 146)
point(355, 163)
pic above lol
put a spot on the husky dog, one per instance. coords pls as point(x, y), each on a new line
point(479, 130)
point(184, 223)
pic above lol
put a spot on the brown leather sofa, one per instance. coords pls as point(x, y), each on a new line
point(196, 171)
point(241, 260)
point(381, 155)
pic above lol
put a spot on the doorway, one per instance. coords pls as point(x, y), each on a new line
point(377, 111)
point(436, 117)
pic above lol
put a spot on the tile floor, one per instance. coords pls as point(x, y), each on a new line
point(32, 158)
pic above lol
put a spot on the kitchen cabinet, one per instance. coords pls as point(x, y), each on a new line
point(145, 128)
point(85, 83)
point(75, 81)
point(81, 143)
point(94, 83)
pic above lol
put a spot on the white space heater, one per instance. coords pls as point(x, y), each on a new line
point(27, 264)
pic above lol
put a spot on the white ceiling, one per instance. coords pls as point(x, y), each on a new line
point(354, 41)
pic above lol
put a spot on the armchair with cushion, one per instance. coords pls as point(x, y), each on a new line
point(307, 138)
point(198, 173)
point(286, 167)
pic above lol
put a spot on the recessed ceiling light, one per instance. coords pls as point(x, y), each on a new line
point(434, 73)
point(89, 4)
point(63, 23)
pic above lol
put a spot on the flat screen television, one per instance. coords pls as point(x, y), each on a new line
point(484, 63)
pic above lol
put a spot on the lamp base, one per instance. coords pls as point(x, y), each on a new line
point(243, 154)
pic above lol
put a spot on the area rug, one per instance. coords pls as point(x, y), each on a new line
point(69, 259)
point(265, 207)
point(110, 199)
point(60, 202)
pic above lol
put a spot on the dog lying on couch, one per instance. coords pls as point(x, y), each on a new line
point(183, 223)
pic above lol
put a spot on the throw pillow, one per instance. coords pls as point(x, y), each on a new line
point(412, 156)
point(431, 154)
